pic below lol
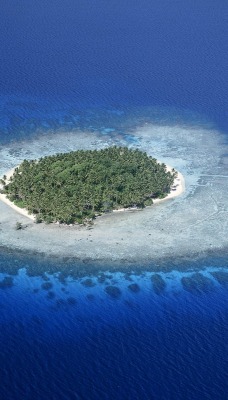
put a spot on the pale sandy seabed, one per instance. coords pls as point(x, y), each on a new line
point(194, 223)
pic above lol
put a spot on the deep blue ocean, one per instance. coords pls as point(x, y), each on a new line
point(103, 66)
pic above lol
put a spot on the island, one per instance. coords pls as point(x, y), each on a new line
point(75, 187)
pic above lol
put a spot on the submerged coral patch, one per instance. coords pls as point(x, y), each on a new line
point(7, 282)
point(158, 283)
point(221, 277)
point(88, 282)
point(134, 287)
point(47, 285)
point(113, 291)
point(197, 283)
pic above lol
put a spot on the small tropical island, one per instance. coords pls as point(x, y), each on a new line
point(75, 187)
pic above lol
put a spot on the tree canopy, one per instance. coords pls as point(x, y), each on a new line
point(75, 187)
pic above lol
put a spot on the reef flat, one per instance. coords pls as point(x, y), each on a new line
point(193, 223)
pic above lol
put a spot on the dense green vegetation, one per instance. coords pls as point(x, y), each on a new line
point(76, 186)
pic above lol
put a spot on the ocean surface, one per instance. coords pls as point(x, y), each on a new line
point(108, 67)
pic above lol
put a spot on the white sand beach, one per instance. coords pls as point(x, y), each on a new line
point(177, 188)
point(9, 203)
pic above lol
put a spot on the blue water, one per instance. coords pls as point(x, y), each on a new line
point(107, 65)
point(70, 339)
point(61, 59)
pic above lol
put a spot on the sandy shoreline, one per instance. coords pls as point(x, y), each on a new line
point(9, 203)
point(177, 189)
